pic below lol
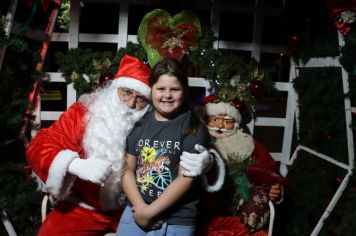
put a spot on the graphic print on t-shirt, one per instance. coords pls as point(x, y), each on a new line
point(153, 174)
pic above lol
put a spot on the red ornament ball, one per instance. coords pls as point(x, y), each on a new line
point(105, 78)
point(240, 105)
point(256, 88)
point(294, 38)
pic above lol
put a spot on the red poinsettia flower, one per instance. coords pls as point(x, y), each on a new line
point(171, 42)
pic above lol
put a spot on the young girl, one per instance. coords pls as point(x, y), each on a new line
point(161, 200)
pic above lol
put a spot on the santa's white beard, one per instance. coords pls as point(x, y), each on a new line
point(108, 123)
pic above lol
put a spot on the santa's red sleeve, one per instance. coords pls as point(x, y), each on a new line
point(263, 157)
point(53, 149)
point(265, 168)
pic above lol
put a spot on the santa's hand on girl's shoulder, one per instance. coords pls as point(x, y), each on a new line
point(91, 169)
point(196, 163)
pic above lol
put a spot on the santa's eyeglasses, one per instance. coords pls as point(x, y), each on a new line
point(129, 95)
point(217, 121)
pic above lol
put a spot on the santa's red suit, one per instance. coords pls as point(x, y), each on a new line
point(212, 224)
point(80, 156)
point(236, 146)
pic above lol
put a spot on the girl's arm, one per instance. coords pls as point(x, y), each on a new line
point(129, 181)
point(141, 213)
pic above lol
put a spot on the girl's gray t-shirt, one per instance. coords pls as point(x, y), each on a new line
point(158, 147)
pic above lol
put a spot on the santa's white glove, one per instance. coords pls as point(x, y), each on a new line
point(91, 169)
point(196, 163)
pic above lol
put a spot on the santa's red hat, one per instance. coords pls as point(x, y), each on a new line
point(133, 74)
point(215, 107)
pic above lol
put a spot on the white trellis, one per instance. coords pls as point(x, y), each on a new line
point(74, 37)
point(7, 223)
point(329, 62)
point(121, 38)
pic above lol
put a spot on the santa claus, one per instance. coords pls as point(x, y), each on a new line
point(251, 178)
point(80, 156)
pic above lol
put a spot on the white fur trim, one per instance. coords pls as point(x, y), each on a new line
point(58, 182)
point(132, 83)
point(86, 206)
point(223, 108)
point(78, 201)
point(221, 174)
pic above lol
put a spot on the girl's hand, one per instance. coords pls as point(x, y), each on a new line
point(156, 225)
point(143, 216)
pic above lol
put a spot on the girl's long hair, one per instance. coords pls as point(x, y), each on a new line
point(175, 68)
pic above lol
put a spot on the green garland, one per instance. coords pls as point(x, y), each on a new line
point(85, 68)
point(17, 77)
point(322, 117)
point(63, 18)
point(314, 42)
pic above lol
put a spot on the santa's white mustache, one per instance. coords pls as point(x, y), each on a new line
point(221, 130)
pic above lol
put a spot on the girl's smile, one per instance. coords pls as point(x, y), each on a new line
point(167, 97)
